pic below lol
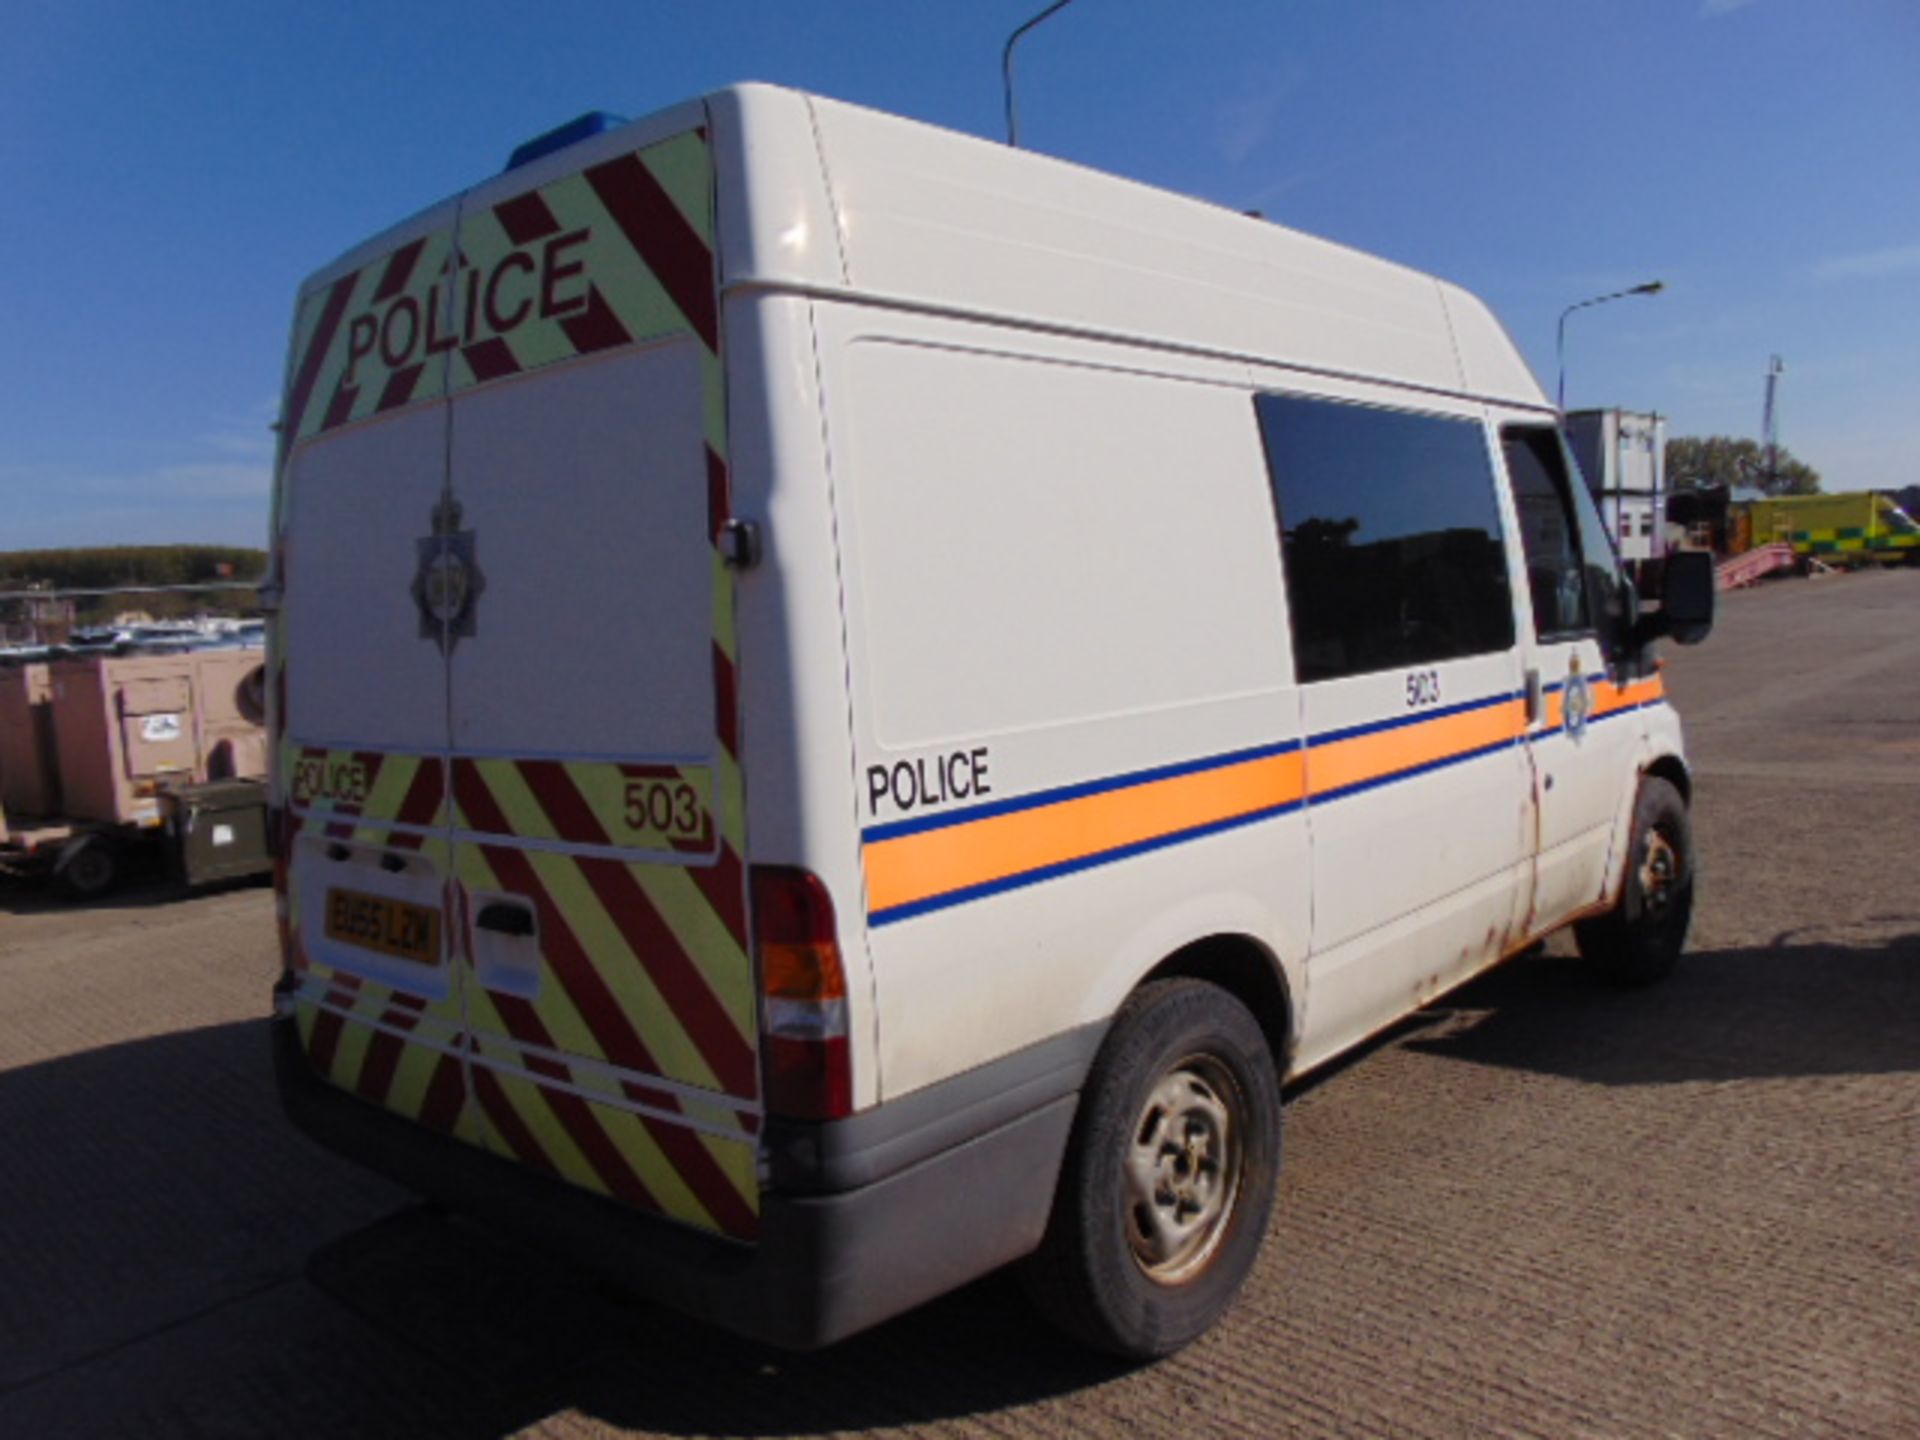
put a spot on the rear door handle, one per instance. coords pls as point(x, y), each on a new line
point(505, 918)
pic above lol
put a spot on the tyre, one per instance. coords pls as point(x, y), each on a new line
point(1169, 1176)
point(1638, 941)
point(87, 870)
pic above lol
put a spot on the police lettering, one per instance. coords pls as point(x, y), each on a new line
point(344, 782)
point(931, 780)
point(495, 301)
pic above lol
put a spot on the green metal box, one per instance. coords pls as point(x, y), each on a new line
point(217, 830)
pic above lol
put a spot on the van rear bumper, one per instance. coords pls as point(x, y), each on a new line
point(869, 1217)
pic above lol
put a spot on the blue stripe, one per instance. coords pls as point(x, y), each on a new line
point(946, 818)
point(1420, 717)
point(1633, 709)
point(1070, 867)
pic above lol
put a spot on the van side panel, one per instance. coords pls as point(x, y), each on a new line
point(1076, 735)
point(933, 217)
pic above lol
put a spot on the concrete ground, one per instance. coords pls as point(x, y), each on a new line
point(1541, 1209)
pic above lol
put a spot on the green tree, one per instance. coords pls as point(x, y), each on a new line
point(104, 566)
point(1700, 464)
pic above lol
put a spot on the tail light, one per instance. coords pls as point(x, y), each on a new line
point(803, 996)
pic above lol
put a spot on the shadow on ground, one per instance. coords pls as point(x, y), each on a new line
point(541, 1339)
point(1803, 1005)
point(177, 1254)
point(180, 1261)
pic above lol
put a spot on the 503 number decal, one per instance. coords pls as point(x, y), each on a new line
point(1423, 689)
point(672, 808)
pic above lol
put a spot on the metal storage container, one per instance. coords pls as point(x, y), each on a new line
point(218, 830)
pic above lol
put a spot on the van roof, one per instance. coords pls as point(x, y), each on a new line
point(841, 201)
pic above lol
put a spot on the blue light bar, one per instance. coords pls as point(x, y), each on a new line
point(585, 127)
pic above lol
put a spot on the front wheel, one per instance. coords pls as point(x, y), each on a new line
point(1639, 940)
point(1169, 1178)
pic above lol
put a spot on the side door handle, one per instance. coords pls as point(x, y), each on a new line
point(1535, 697)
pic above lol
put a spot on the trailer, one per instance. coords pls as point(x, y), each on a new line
point(109, 760)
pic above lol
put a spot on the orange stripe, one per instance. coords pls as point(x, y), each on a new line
point(1362, 758)
point(905, 869)
point(1608, 697)
point(913, 867)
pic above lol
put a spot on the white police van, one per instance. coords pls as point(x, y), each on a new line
point(850, 703)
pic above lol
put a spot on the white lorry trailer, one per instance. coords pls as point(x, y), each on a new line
point(1624, 457)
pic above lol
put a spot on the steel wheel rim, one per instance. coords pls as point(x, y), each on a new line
point(1184, 1162)
point(1660, 873)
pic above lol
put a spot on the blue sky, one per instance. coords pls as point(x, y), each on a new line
point(172, 171)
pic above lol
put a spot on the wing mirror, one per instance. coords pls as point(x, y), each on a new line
point(1685, 589)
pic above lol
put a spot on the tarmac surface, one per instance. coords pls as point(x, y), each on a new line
point(1541, 1208)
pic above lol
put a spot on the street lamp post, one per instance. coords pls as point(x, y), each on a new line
point(1006, 68)
point(1652, 287)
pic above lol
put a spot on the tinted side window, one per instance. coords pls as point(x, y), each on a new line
point(1572, 571)
point(1549, 535)
point(1391, 535)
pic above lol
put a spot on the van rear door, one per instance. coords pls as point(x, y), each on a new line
point(358, 703)
point(595, 791)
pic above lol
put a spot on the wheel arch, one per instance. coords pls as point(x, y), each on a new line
point(1673, 770)
point(1247, 970)
point(1666, 765)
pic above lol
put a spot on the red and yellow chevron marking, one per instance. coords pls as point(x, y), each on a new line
point(630, 1068)
point(660, 948)
point(617, 253)
point(368, 789)
point(600, 1129)
point(631, 806)
point(552, 271)
point(375, 339)
point(648, 991)
point(394, 1048)
point(397, 1050)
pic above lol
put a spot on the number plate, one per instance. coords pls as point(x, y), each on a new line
point(392, 927)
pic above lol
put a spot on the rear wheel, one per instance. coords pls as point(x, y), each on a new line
point(1169, 1178)
point(1640, 939)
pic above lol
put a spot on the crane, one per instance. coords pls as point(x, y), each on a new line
point(1770, 420)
